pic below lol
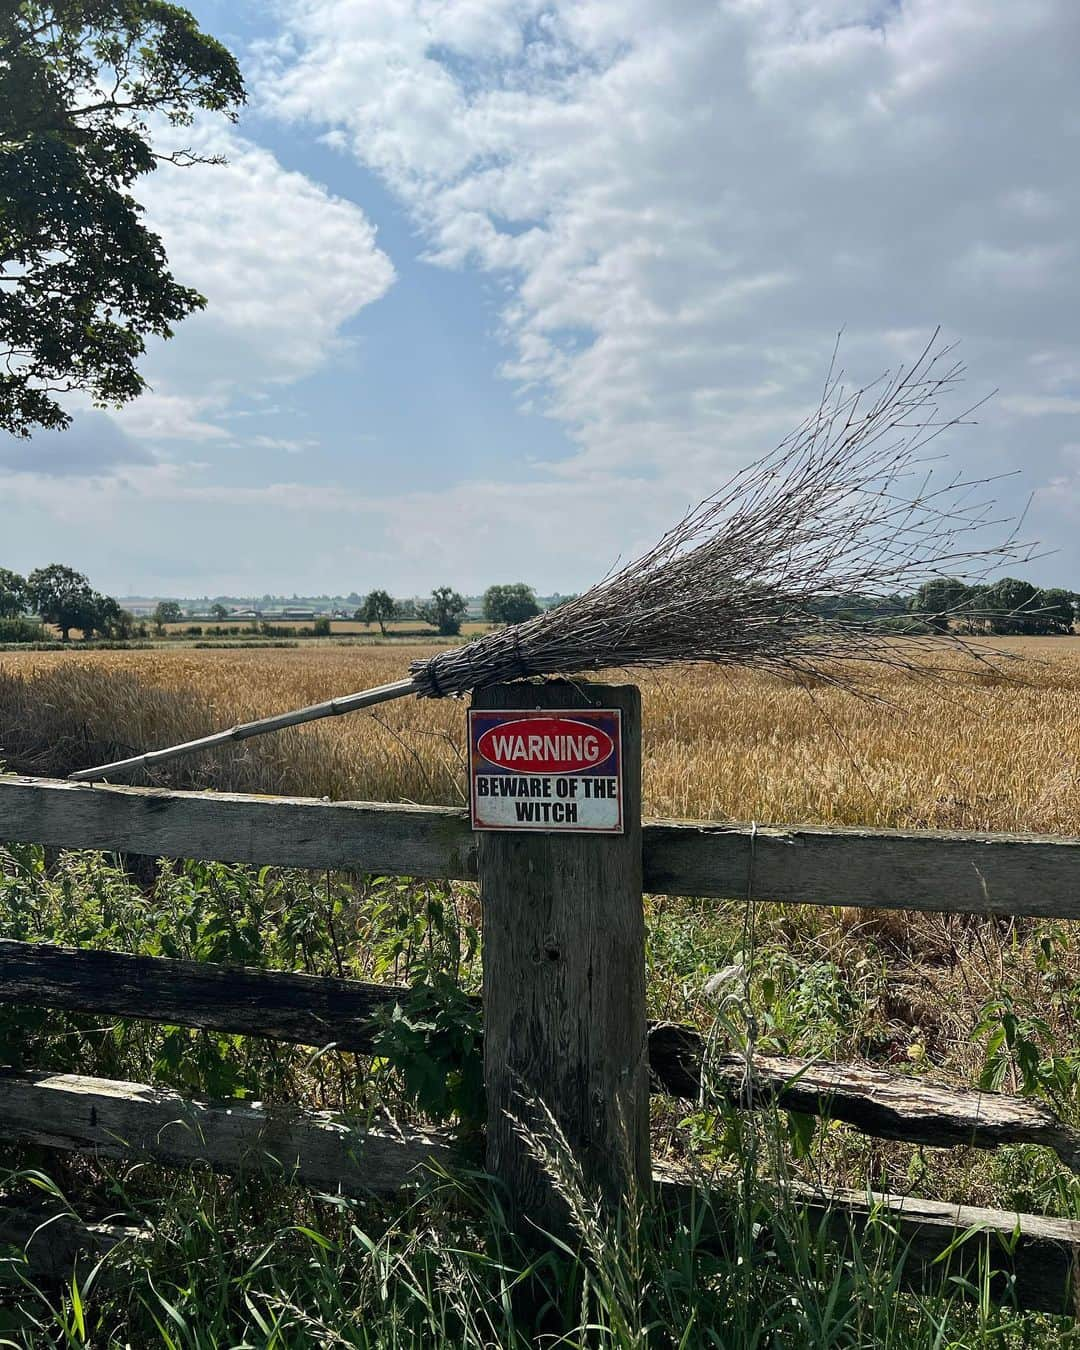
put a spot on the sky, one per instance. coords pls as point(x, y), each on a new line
point(498, 288)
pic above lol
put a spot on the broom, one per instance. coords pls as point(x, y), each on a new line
point(843, 508)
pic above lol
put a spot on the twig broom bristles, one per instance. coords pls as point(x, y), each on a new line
point(845, 506)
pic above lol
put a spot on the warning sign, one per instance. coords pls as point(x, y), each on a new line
point(546, 769)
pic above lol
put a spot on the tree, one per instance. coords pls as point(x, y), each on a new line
point(123, 624)
point(83, 282)
point(12, 594)
point(510, 604)
point(1010, 602)
point(1057, 612)
point(939, 600)
point(166, 611)
point(106, 618)
point(443, 611)
point(61, 596)
point(380, 607)
point(219, 611)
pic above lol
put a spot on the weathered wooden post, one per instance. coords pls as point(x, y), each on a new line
point(559, 855)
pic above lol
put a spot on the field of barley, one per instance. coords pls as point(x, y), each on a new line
point(977, 747)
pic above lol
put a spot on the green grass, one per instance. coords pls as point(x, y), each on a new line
point(235, 1266)
point(239, 1263)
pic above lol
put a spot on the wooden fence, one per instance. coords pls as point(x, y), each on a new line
point(528, 886)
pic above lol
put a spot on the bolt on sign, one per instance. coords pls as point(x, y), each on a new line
point(546, 770)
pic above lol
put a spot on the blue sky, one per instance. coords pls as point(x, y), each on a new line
point(498, 287)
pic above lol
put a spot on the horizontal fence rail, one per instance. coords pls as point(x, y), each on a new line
point(1033, 1259)
point(113, 1119)
point(45, 1240)
point(1029, 1259)
point(324, 1010)
point(239, 1000)
point(1006, 874)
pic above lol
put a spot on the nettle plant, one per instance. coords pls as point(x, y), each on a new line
point(432, 1036)
point(428, 1045)
point(1023, 1035)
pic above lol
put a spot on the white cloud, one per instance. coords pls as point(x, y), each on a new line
point(159, 416)
point(546, 534)
point(1035, 405)
point(686, 202)
point(292, 445)
point(93, 447)
point(283, 264)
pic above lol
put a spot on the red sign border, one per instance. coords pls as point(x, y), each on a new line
point(520, 714)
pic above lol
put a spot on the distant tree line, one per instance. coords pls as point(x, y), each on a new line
point(510, 604)
point(64, 598)
point(445, 609)
point(60, 596)
point(1006, 607)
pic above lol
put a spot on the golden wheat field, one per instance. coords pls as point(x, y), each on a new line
point(976, 749)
